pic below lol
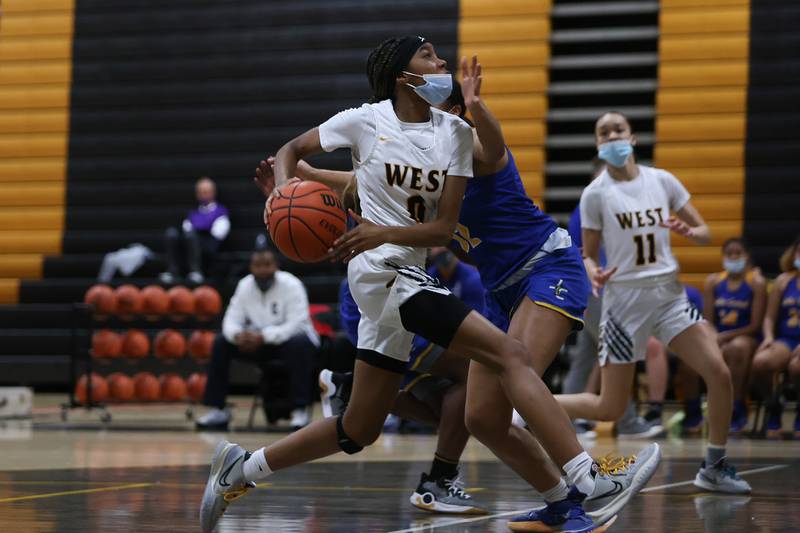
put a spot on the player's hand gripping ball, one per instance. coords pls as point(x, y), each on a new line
point(305, 218)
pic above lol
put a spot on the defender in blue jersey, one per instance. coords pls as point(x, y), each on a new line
point(536, 291)
point(780, 349)
point(735, 300)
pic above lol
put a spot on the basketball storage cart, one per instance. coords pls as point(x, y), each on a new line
point(83, 363)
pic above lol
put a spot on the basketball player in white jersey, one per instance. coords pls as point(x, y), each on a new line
point(628, 207)
point(411, 162)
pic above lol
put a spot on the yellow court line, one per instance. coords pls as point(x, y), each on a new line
point(58, 483)
point(79, 491)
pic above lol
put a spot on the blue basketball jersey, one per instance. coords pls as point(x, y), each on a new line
point(733, 306)
point(789, 315)
point(500, 227)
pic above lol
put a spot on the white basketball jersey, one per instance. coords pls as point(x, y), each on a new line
point(399, 184)
point(628, 214)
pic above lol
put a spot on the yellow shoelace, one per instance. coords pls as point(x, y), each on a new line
point(235, 494)
point(613, 464)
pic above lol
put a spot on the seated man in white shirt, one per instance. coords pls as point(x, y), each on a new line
point(267, 318)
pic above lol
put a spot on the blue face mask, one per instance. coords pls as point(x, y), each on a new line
point(734, 266)
point(436, 89)
point(615, 153)
point(797, 263)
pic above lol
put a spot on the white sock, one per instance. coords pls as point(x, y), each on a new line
point(256, 466)
point(579, 473)
point(557, 493)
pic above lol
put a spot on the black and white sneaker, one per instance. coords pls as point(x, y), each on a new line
point(444, 495)
point(334, 389)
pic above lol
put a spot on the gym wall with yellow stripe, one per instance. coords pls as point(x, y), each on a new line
point(735, 159)
point(35, 74)
point(704, 129)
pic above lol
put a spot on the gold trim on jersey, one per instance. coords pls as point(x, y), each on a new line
point(558, 310)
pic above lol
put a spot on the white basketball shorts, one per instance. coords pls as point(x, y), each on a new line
point(633, 312)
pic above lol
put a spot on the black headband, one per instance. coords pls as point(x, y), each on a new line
point(405, 51)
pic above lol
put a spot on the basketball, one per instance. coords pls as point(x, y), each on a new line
point(148, 389)
point(103, 298)
point(197, 386)
point(135, 343)
point(207, 301)
point(121, 387)
point(129, 299)
point(306, 219)
point(106, 343)
point(99, 389)
point(181, 301)
point(173, 388)
point(169, 344)
point(154, 300)
point(200, 344)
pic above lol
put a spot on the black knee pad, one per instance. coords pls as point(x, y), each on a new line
point(348, 445)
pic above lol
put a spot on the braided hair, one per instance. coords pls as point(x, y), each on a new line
point(380, 70)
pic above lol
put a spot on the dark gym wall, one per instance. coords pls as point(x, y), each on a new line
point(167, 91)
point(772, 202)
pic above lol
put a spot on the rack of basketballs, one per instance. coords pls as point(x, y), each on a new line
point(147, 345)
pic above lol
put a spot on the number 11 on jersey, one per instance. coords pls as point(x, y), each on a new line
point(640, 246)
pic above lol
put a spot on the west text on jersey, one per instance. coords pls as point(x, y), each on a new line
point(640, 219)
point(396, 175)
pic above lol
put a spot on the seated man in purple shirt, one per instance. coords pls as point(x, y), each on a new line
point(201, 234)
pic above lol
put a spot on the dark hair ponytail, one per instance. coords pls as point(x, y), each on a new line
point(380, 66)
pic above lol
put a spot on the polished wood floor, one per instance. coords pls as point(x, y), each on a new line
point(145, 470)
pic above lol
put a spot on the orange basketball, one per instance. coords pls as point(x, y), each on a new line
point(173, 388)
point(148, 389)
point(181, 301)
point(154, 300)
point(106, 343)
point(306, 218)
point(102, 297)
point(200, 344)
point(121, 387)
point(135, 344)
point(99, 389)
point(169, 344)
point(197, 386)
point(129, 299)
point(207, 301)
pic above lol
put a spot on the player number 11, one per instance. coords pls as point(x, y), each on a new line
point(651, 245)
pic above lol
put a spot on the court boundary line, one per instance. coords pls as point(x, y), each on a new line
point(457, 522)
point(126, 486)
point(691, 481)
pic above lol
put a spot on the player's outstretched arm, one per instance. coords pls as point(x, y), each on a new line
point(287, 158)
point(490, 146)
point(690, 224)
point(439, 232)
point(598, 276)
point(335, 179)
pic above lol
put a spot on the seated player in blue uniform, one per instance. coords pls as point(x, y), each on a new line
point(780, 349)
point(735, 300)
point(536, 291)
point(433, 390)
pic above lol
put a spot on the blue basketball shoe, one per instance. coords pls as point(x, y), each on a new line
point(565, 516)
